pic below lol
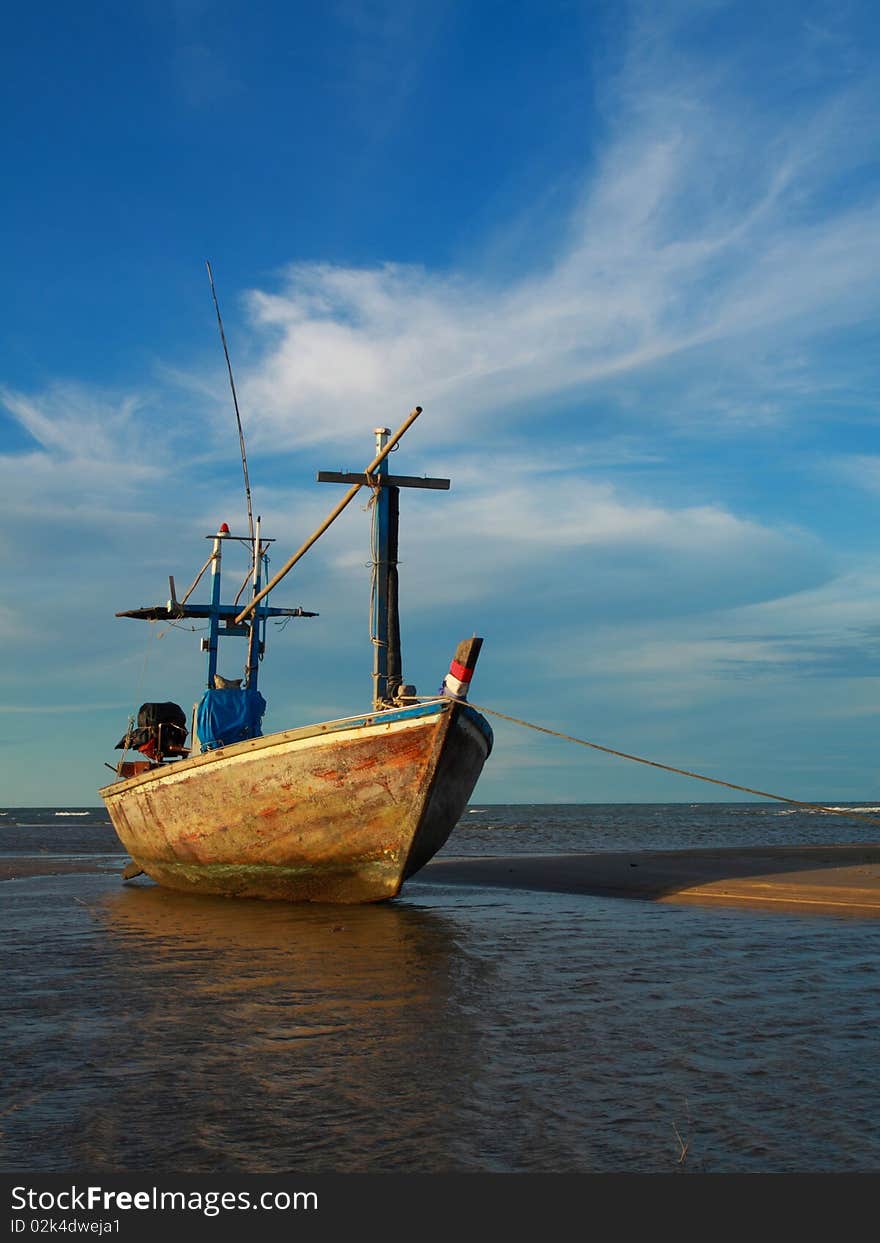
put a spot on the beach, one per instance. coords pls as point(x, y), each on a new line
point(522, 1007)
point(832, 879)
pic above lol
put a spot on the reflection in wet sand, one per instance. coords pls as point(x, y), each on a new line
point(266, 1031)
point(462, 1028)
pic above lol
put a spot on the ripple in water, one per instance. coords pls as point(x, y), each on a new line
point(452, 1030)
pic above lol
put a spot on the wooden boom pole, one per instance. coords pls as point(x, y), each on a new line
point(331, 517)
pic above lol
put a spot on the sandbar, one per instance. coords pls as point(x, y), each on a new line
point(18, 867)
point(828, 879)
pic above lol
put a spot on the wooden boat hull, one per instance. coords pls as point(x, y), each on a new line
point(344, 811)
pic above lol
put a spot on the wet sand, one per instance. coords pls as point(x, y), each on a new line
point(830, 879)
point(823, 879)
point(17, 867)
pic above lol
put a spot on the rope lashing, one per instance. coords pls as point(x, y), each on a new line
point(682, 772)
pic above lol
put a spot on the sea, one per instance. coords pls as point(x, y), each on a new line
point(455, 1029)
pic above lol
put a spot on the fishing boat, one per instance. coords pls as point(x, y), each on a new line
point(341, 811)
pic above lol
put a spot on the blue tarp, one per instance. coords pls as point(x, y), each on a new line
point(230, 715)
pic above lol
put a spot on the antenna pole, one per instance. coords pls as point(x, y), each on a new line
point(253, 653)
point(247, 485)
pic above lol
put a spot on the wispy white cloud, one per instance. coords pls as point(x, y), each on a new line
point(536, 536)
point(768, 652)
point(74, 423)
point(859, 470)
point(708, 220)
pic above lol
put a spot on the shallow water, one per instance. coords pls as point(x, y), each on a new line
point(456, 1029)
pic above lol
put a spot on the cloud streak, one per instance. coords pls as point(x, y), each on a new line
point(707, 221)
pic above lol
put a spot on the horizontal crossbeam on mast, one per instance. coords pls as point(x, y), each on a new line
point(161, 612)
point(382, 481)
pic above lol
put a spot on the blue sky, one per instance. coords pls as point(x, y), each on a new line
point(624, 255)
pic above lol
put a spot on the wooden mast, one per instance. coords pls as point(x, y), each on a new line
point(385, 628)
point(379, 585)
point(395, 663)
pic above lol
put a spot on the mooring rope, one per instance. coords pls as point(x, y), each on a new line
point(682, 772)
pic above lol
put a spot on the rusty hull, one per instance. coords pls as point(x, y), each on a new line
point(338, 812)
